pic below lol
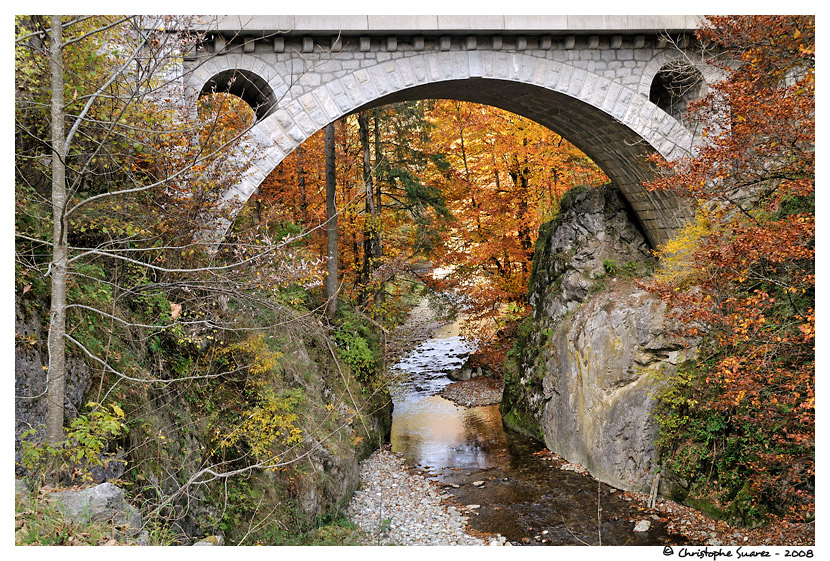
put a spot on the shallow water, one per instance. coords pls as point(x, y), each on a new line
point(524, 496)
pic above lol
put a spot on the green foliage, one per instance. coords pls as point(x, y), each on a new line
point(355, 341)
point(152, 306)
point(338, 533)
point(87, 286)
point(86, 440)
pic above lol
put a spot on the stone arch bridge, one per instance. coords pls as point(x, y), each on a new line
point(603, 82)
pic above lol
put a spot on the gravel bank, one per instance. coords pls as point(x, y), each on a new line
point(475, 392)
point(399, 506)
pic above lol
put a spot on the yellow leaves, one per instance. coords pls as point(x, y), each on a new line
point(270, 423)
point(808, 329)
point(678, 264)
point(252, 354)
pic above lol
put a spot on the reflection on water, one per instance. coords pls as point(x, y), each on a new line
point(435, 432)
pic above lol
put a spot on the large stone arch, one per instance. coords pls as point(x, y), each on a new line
point(615, 125)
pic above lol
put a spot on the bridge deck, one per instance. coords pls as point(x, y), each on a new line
point(451, 25)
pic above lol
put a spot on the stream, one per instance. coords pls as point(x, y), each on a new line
point(524, 497)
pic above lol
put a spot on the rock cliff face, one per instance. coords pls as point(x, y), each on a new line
point(30, 360)
point(582, 373)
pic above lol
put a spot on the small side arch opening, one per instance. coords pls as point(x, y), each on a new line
point(246, 85)
point(675, 85)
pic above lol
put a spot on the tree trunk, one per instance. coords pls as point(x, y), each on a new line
point(378, 218)
point(378, 187)
point(301, 185)
point(56, 373)
point(370, 227)
point(331, 224)
point(473, 200)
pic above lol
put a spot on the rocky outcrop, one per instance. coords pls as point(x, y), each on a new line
point(30, 359)
point(587, 361)
point(102, 504)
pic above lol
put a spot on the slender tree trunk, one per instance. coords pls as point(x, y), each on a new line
point(57, 314)
point(473, 200)
point(378, 187)
point(331, 224)
point(301, 185)
point(380, 295)
point(369, 228)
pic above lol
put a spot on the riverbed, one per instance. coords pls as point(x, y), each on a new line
point(507, 484)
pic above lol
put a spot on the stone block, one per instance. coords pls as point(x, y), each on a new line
point(379, 80)
point(419, 69)
point(433, 68)
point(446, 66)
point(540, 72)
point(353, 90)
point(515, 67)
point(309, 80)
point(641, 54)
point(600, 91)
point(565, 76)
point(393, 76)
point(586, 92)
point(552, 78)
point(501, 65)
point(461, 65)
point(528, 69)
point(474, 59)
point(577, 82)
point(405, 72)
point(313, 109)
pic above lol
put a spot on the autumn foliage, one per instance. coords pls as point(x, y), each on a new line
point(738, 422)
point(459, 185)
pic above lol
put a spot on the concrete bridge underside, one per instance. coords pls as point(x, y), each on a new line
point(593, 88)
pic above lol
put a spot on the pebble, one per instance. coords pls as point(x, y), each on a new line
point(642, 526)
point(409, 513)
